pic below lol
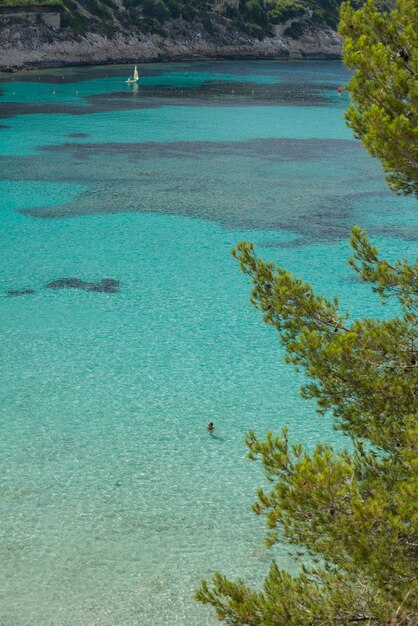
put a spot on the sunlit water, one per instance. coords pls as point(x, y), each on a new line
point(114, 501)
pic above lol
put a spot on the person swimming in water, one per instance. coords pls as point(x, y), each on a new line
point(211, 427)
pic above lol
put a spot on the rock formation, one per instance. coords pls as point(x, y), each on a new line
point(35, 44)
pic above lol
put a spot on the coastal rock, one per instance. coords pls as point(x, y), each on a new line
point(33, 45)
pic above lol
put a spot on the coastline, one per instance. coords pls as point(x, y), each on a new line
point(29, 48)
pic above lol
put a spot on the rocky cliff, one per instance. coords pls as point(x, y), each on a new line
point(34, 42)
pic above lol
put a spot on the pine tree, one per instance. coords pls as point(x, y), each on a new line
point(382, 48)
point(353, 514)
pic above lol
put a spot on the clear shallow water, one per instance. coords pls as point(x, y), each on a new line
point(114, 501)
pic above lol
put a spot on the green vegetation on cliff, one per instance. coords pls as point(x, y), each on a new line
point(31, 4)
point(254, 17)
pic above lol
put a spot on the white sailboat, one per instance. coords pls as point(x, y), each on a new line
point(135, 77)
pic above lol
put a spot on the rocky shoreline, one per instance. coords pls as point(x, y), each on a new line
point(39, 46)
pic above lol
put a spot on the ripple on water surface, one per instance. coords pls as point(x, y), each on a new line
point(115, 500)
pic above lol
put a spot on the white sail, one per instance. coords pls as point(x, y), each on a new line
point(135, 77)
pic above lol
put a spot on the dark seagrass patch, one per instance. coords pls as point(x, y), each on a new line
point(14, 293)
point(105, 285)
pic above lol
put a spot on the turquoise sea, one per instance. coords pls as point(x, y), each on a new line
point(114, 501)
